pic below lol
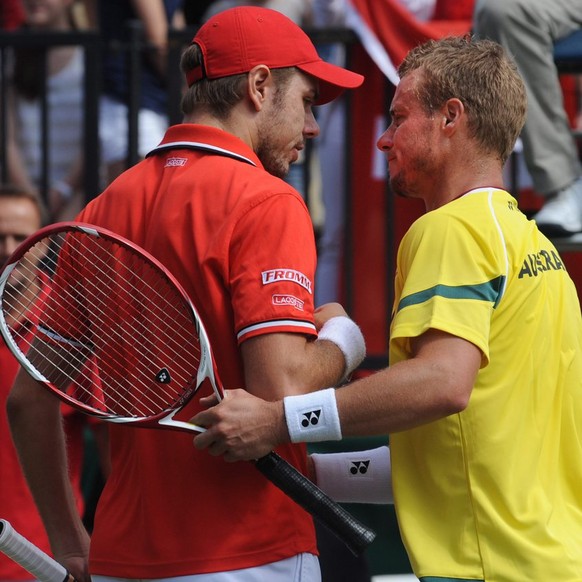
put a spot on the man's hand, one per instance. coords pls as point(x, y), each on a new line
point(327, 311)
point(78, 568)
point(242, 427)
point(73, 553)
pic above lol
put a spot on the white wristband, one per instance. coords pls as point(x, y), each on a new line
point(313, 417)
point(347, 336)
point(355, 477)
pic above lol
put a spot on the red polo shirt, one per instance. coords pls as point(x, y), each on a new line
point(241, 243)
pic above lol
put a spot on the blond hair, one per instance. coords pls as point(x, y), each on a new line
point(480, 74)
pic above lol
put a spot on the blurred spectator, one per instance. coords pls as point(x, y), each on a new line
point(21, 214)
point(528, 29)
point(64, 85)
point(297, 10)
point(156, 17)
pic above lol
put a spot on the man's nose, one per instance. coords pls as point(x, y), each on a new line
point(311, 128)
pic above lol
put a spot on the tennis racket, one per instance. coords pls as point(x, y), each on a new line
point(116, 336)
point(31, 558)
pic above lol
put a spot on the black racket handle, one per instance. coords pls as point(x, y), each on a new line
point(305, 493)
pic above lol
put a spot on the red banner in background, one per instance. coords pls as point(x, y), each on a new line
point(391, 24)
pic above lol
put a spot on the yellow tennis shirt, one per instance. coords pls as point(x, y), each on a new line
point(493, 493)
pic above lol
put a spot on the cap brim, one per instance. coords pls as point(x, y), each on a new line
point(333, 80)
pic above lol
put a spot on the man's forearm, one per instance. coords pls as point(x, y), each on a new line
point(36, 426)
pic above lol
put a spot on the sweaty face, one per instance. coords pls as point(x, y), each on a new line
point(19, 218)
point(410, 142)
point(287, 122)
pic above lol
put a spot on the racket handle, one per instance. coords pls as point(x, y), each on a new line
point(31, 558)
point(305, 493)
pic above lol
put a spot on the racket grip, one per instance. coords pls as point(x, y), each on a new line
point(31, 558)
point(305, 493)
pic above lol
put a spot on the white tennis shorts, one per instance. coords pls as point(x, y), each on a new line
point(300, 568)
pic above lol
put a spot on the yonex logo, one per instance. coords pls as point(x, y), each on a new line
point(310, 418)
point(163, 376)
point(359, 467)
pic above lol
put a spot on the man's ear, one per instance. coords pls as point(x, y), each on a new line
point(453, 109)
point(259, 83)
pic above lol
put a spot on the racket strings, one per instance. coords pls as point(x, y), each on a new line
point(102, 272)
point(167, 307)
point(144, 311)
point(125, 303)
point(79, 363)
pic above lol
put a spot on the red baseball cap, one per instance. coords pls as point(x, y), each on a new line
point(238, 39)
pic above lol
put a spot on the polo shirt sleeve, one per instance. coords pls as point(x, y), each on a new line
point(448, 278)
point(272, 260)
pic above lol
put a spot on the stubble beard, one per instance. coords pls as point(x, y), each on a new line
point(267, 150)
point(399, 187)
point(271, 161)
point(419, 166)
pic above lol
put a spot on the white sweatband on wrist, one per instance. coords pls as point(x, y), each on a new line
point(355, 477)
point(312, 417)
point(347, 336)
